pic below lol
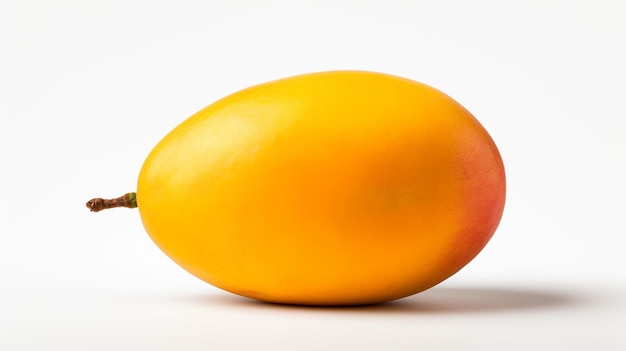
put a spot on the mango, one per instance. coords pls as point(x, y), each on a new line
point(329, 188)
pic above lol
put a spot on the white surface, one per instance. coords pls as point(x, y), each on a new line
point(87, 88)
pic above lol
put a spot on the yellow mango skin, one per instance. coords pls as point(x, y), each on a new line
point(331, 188)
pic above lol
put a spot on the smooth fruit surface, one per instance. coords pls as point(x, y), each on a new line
point(330, 188)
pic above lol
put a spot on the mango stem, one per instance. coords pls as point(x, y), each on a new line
point(127, 200)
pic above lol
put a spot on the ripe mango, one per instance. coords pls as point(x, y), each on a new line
point(330, 188)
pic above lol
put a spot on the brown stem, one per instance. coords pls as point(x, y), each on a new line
point(127, 200)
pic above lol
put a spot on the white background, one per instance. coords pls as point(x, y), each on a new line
point(88, 87)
